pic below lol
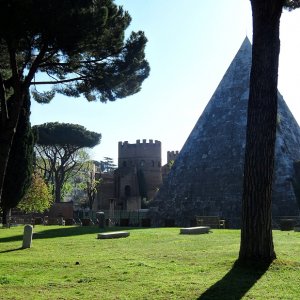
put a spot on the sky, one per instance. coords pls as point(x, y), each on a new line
point(190, 45)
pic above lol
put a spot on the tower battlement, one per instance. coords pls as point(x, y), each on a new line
point(138, 142)
point(171, 155)
point(140, 152)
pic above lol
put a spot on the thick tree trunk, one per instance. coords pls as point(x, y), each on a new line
point(58, 185)
point(57, 192)
point(256, 234)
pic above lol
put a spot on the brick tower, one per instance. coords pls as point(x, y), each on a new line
point(139, 173)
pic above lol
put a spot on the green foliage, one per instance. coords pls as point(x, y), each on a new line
point(20, 164)
point(60, 153)
point(107, 165)
point(171, 163)
point(38, 197)
point(79, 45)
point(85, 185)
point(60, 134)
point(291, 4)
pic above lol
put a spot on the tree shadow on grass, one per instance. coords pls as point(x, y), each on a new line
point(12, 250)
point(64, 231)
point(236, 283)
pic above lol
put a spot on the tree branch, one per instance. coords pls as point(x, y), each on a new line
point(3, 106)
point(60, 81)
point(35, 66)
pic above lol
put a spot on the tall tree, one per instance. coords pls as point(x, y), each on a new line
point(20, 163)
point(92, 181)
point(58, 151)
point(107, 165)
point(78, 44)
point(256, 234)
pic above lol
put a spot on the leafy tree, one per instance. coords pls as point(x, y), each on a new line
point(85, 184)
point(58, 151)
point(107, 165)
point(38, 198)
point(91, 183)
point(78, 46)
point(256, 234)
point(20, 164)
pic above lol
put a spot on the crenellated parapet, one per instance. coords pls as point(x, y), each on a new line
point(140, 150)
point(140, 143)
point(171, 155)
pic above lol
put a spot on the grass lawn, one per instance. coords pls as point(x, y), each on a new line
point(70, 263)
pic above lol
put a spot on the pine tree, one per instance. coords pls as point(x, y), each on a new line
point(20, 164)
point(256, 234)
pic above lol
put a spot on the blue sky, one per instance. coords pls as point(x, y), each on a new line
point(190, 45)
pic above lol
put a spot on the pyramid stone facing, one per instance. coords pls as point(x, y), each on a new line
point(207, 176)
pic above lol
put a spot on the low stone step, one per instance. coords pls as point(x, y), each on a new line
point(113, 235)
point(195, 230)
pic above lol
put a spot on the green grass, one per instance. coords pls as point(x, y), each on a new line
point(70, 263)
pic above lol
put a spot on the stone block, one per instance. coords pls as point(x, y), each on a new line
point(195, 230)
point(113, 235)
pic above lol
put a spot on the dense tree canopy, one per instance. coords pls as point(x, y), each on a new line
point(256, 234)
point(58, 151)
point(78, 46)
point(20, 163)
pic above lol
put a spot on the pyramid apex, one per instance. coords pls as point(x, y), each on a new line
point(246, 40)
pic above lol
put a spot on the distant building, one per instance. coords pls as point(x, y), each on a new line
point(137, 178)
point(165, 170)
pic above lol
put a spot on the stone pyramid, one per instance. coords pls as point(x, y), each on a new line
point(207, 176)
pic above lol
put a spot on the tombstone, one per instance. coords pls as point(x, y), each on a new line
point(111, 212)
point(101, 219)
point(27, 236)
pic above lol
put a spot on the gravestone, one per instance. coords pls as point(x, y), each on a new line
point(101, 219)
point(27, 236)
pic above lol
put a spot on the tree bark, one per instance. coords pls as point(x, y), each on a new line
point(256, 234)
point(5, 215)
point(7, 132)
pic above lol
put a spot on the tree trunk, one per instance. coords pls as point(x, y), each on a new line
point(256, 234)
point(7, 132)
point(5, 215)
point(57, 191)
point(59, 179)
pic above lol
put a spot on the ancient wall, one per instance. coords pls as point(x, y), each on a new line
point(105, 191)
